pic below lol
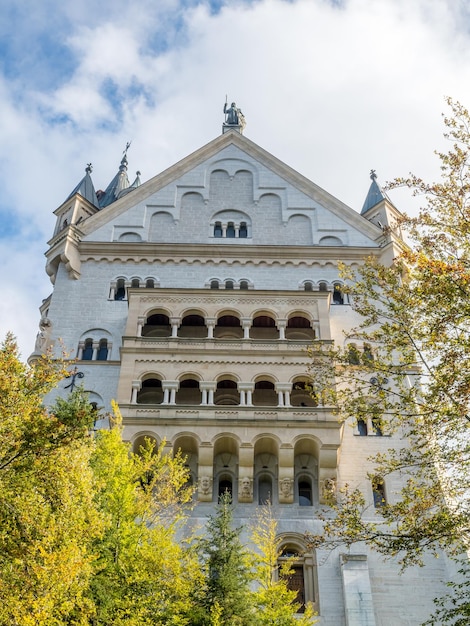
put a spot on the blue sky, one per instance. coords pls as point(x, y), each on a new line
point(332, 88)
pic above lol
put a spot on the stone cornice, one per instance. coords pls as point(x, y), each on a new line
point(213, 254)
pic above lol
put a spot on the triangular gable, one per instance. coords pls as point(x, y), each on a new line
point(209, 153)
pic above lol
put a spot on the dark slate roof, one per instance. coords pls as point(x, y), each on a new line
point(85, 188)
point(119, 183)
point(374, 195)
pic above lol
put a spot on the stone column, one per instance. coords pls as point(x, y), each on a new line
point(210, 323)
point(169, 391)
point(205, 388)
point(211, 387)
point(81, 347)
point(96, 346)
point(237, 230)
point(246, 391)
point(140, 324)
point(173, 386)
point(112, 291)
point(246, 325)
point(136, 387)
point(245, 472)
point(206, 470)
point(286, 474)
point(110, 349)
point(283, 391)
point(224, 230)
point(282, 324)
point(175, 322)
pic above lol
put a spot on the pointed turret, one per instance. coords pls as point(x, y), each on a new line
point(134, 185)
point(119, 183)
point(379, 209)
point(86, 188)
point(374, 195)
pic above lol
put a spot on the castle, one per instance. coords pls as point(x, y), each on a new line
point(192, 299)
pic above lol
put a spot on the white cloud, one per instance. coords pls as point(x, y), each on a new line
point(331, 91)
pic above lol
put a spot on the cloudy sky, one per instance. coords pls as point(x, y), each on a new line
point(331, 87)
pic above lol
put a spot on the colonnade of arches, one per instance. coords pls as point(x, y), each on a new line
point(228, 325)
point(226, 390)
point(259, 472)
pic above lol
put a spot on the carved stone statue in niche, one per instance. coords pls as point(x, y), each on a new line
point(43, 335)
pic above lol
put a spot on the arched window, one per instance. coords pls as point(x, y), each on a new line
point(135, 284)
point(229, 284)
point(214, 284)
point(188, 392)
point(225, 485)
point(302, 576)
point(157, 325)
point(302, 394)
point(218, 229)
point(265, 489)
point(377, 426)
point(193, 326)
point(120, 293)
point(353, 354)
point(378, 491)
point(338, 297)
point(243, 232)
point(243, 284)
point(230, 230)
point(264, 394)
point(151, 392)
point(227, 393)
point(295, 578)
point(299, 327)
point(228, 327)
point(264, 327)
point(150, 283)
point(305, 492)
point(103, 350)
point(308, 286)
point(367, 354)
point(362, 427)
point(88, 350)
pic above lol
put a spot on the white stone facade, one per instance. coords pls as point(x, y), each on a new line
point(192, 301)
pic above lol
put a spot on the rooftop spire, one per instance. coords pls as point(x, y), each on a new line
point(374, 195)
point(119, 183)
point(85, 187)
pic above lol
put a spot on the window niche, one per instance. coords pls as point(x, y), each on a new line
point(300, 574)
point(378, 492)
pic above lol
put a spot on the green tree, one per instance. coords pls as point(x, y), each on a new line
point(226, 597)
point(47, 514)
point(143, 575)
point(416, 317)
point(275, 603)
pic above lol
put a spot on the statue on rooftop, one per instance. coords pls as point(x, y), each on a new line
point(233, 115)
